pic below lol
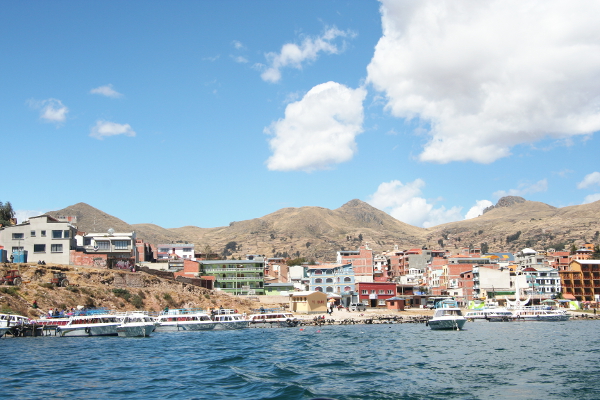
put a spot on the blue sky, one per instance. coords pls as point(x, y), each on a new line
point(207, 112)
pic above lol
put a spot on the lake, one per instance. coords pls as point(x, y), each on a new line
point(519, 360)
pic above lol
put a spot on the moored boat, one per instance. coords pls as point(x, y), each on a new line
point(536, 313)
point(90, 325)
point(11, 321)
point(447, 316)
point(136, 324)
point(272, 319)
point(184, 320)
point(228, 319)
point(489, 314)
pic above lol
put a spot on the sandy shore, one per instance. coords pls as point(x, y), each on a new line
point(371, 313)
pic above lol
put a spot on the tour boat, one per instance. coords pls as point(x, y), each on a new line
point(272, 319)
point(536, 313)
point(9, 321)
point(136, 324)
point(90, 325)
point(499, 314)
point(184, 320)
point(447, 315)
point(228, 319)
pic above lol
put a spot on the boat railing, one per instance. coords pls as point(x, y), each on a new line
point(179, 311)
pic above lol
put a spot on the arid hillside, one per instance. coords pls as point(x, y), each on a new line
point(318, 233)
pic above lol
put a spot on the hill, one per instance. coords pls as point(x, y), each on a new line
point(318, 233)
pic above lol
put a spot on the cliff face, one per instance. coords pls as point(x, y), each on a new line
point(506, 201)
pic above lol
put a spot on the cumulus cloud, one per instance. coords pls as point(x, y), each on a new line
point(589, 180)
point(524, 189)
point(106, 90)
point(591, 198)
point(106, 128)
point(403, 202)
point(478, 208)
point(318, 130)
point(294, 55)
point(490, 75)
point(51, 110)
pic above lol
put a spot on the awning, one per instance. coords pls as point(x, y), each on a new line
point(568, 296)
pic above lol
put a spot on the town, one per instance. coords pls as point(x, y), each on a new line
point(395, 278)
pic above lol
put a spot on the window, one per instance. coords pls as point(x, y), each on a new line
point(365, 291)
point(67, 234)
point(39, 248)
point(187, 249)
point(32, 234)
point(318, 272)
point(121, 244)
point(57, 234)
point(56, 248)
point(319, 289)
point(346, 288)
point(329, 280)
point(329, 289)
point(103, 245)
point(390, 292)
point(347, 279)
point(381, 291)
point(87, 241)
point(373, 291)
point(318, 280)
point(15, 249)
point(43, 233)
point(18, 236)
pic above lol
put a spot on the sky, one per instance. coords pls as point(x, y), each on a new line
point(203, 113)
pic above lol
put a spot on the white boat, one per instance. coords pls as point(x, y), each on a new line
point(90, 325)
point(272, 319)
point(184, 320)
point(9, 321)
point(447, 315)
point(136, 324)
point(229, 319)
point(499, 314)
point(537, 313)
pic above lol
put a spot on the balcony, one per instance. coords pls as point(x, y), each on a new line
point(240, 279)
point(232, 270)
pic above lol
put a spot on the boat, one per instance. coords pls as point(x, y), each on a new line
point(272, 319)
point(184, 319)
point(90, 325)
point(499, 314)
point(447, 316)
point(10, 321)
point(228, 319)
point(136, 324)
point(539, 313)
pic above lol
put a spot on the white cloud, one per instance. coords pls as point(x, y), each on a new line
point(590, 198)
point(237, 44)
point(403, 202)
point(524, 189)
point(318, 130)
point(51, 110)
point(106, 128)
point(589, 180)
point(478, 208)
point(488, 75)
point(106, 90)
point(239, 59)
point(24, 215)
point(294, 55)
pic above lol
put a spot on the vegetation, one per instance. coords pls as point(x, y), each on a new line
point(513, 237)
point(123, 293)
point(229, 249)
point(485, 248)
point(296, 261)
point(6, 213)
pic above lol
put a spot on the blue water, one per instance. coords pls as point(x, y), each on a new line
point(528, 360)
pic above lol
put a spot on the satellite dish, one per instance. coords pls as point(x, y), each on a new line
point(111, 231)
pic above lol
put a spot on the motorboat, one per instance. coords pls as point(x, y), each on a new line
point(499, 314)
point(10, 321)
point(447, 316)
point(228, 319)
point(90, 325)
point(184, 319)
point(136, 324)
point(537, 313)
point(272, 319)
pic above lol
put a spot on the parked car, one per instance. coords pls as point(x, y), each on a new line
point(357, 307)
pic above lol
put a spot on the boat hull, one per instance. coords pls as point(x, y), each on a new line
point(135, 330)
point(447, 324)
point(192, 326)
point(80, 331)
point(229, 325)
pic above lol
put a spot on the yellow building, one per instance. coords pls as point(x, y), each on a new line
point(308, 302)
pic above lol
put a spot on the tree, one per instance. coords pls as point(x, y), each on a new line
point(484, 248)
point(6, 214)
point(573, 249)
point(596, 254)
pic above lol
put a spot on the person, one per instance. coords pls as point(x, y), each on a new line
point(262, 310)
point(35, 305)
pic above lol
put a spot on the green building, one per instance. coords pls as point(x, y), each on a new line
point(236, 276)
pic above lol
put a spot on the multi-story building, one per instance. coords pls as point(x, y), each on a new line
point(42, 238)
point(374, 294)
point(543, 281)
point(332, 278)
point(234, 276)
point(582, 280)
point(118, 249)
point(361, 260)
point(173, 251)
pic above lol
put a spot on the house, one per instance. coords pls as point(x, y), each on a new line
point(374, 294)
point(581, 280)
point(361, 260)
point(331, 278)
point(117, 250)
point(41, 238)
point(308, 302)
point(232, 276)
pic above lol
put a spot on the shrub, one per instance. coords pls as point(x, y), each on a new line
point(137, 301)
point(12, 291)
point(123, 293)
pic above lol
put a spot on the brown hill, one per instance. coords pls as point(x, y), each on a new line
point(318, 233)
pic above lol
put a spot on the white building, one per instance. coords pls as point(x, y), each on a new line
point(44, 238)
point(118, 246)
point(170, 251)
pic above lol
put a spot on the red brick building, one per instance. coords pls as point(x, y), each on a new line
point(374, 294)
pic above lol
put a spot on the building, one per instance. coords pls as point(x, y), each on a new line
point(331, 278)
point(41, 238)
point(174, 251)
point(582, 280)
point(374, 294)
point(234, 276)
point(361, 260)
point(117, 249)
point(308, 302)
